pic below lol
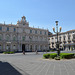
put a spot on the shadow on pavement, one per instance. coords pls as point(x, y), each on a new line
point(7, 69)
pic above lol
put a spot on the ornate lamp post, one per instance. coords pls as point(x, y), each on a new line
point(57, 33)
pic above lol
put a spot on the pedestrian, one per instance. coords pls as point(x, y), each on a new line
point(23, 52)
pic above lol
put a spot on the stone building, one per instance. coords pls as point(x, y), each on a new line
point(21, 36)
point(66, 40)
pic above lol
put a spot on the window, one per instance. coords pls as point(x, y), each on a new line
point(74, 36)
point(7, 28)
point(14, 29)
point(64, 37)
point(0, 28)
point(7, 47)
point(31, 47)
point(41, 38)
point(30, 37)
point(23, 38)
point(45, 33)
point(14, 38)
point(7, 37)
point(40, 32)
point(68, 37)
point(14, 47)
point(35, 31)
point(30, 31)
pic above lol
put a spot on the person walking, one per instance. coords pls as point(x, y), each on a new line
point(24, 52)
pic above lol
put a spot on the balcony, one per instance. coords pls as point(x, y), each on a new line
point(26, 41)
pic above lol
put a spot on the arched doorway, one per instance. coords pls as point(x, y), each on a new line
point(23, 47)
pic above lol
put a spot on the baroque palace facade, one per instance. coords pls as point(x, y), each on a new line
point(21, 36)
point(66, 40)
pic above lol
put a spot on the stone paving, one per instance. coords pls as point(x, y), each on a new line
point(32, 64)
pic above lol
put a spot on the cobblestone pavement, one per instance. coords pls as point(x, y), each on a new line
point(32, 64)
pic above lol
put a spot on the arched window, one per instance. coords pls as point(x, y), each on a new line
point(7, 47)
point(7, 37)
point(35, 31)
point(14, 47)
point(30, 37)
point(14, 38)
point(7, 28)
point(30, 31)
point(23, 38)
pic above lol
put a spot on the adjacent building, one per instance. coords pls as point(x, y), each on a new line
point(66, 40)
point(21, 36)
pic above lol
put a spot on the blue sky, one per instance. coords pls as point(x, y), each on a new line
point(39, 13)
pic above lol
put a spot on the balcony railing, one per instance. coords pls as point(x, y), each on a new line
point(26, 41)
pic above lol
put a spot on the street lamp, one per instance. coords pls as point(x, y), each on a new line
point(57, 33)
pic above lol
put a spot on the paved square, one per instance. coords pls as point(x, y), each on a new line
point(32, 64)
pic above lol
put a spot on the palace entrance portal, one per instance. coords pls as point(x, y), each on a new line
point(23, 47)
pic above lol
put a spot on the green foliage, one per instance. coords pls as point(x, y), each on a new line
point(66, 55)
point(62, 56)
point(52, 50)
point(50, 55)
point(57, 58)
point(11, 52)
point(74, 55)
point(53, 55)
point(8, 52)
point(46, 56)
